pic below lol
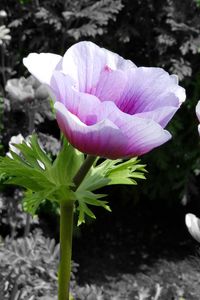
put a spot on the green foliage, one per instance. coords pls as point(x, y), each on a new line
point(109, 172)
point(45, 179)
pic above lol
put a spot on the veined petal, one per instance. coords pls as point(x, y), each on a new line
point(102, 139)
point(115, 135)
point(42, 65)
point(85, 61)
point(62, 87)
point(111, 85)
point(162, 115)
point(142, 134)
point(117, 62)
point(85, 106)
point(148, 89)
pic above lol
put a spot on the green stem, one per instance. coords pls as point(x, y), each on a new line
point(66, 229)
point(80, 175)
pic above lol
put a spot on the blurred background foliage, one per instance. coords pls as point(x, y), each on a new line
point(151, 33)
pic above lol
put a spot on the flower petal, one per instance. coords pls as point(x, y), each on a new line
point(85, 106)
point(88, 108)
point(193, 225)
point(117, 62)
point(162, 115)
point(102, 139)
point(116, 135)
point(179, 91)
point(142, 135)
point(148, 89)
point(62, 87)
point(198, 110)
point(111, 85)
point(85, 61)
point(42, 65)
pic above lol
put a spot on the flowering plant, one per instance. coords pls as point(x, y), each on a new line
point(105, 107)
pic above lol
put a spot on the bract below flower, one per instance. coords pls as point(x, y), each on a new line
point(106, 106)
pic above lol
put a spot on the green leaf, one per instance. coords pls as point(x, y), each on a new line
point(108, 172)
point(123, 172)
point(112, 172)
point(94, 180)
point(40, 153)
point(32, 201)
point(53, 182)
point(66, 164)
point(86, 197)
point(61, 193)
point(25, 182)
point(84, 210)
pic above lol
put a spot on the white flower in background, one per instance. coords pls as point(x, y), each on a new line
point(3, 14)
point(19, 89)
point(22, 89)
point(198, 114)
point(4, 34)
point(193, 225)
point(19, 139)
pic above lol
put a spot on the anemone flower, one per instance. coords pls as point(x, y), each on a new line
point(106, 105)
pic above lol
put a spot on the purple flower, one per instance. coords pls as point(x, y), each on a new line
point(105, 105)
point(198, 114)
